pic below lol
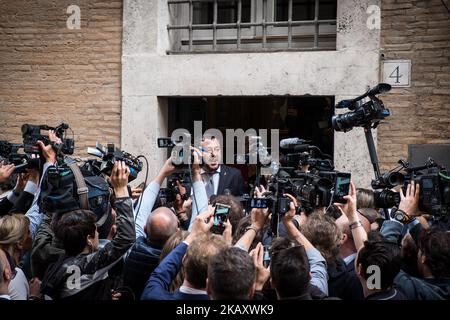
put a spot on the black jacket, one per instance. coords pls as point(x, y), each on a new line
point(231, 179)
point(342, 282)
point(93, 268)
point(139, 265)
point(21, 205)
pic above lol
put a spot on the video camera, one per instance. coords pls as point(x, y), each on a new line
point(434, 182)
point(367, 114)
point(179, 159)
point(109, 156)
point(314, 187)
point(168, 195)
point(21, 161)
point(32, 134)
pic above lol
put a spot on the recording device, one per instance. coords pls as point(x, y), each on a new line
point(109, 156)
point(168, 195)
point(33, 133)
point(341, 187)
point(266, 256)
point(21, 161)
point(386, 198)
point(367, 114)
point(177, 150)
point(434, 182)
point(220, 217)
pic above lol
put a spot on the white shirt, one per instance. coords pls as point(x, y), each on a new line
point(216, 177)
point(349, 259)
point(18, 287)
point(187, 290)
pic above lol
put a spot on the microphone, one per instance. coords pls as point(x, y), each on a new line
point(227, 192)
point(302, 148)
point(291, 142)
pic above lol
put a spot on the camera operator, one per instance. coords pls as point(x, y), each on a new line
point(317, 263)
point(78, 233)
point(49, 154)
point(432, 250)
point(192, 255)
point(19, 200)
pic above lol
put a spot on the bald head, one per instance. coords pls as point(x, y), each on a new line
point(343, 224)
point(161, 224)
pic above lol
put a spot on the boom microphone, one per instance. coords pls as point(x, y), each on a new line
point(290, 143)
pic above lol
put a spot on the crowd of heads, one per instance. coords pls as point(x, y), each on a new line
point(346, 251)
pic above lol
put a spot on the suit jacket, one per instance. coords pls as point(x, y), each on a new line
point(157, 287)
point(231, 179)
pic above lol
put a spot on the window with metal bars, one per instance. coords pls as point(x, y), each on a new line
point(205, 26)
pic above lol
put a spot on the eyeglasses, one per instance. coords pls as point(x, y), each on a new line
point(210, 150)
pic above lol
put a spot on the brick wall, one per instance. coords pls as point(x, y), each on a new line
point(420, 31)
point(49, 73)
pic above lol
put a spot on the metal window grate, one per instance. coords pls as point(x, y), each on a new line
point(262, 33)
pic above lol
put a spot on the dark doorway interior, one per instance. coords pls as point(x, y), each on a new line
point(306, 117)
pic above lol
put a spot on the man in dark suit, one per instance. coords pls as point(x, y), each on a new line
point(219, 178)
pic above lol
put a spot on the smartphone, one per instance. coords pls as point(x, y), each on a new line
point(221, 212)
point(266, 256)
point(341, 187)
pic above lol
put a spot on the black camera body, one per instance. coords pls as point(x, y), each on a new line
point(109, 156)
point(434, 196)
point(168, 195)
point(31, 134)
point(21, 161)
point(179, 159)
point(367, 114)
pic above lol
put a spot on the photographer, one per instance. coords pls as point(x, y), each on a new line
point(385, 257)
point(432, 247)
point(192, 255)
point(318, 265)
point(19, 200)
point(77, 232)
point(49, 154)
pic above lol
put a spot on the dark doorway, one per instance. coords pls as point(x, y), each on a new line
point(306, 117)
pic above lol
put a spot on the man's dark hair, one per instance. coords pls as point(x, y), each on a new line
point(383, 254)
point(73, 228)
point(435, 245)
point(198, 255)
point(231, 275)
point(289, 268)
point(236, 210)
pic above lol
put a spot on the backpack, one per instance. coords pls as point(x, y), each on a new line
point(67, 188)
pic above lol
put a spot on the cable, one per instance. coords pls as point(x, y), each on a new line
point(445, 5)
point(145, 186)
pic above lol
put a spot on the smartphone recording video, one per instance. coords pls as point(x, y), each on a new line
point(221, 212)
point(341, 187)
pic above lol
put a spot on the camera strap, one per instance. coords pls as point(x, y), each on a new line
point(82, 189)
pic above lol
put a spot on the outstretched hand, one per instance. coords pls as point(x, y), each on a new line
point(349, 208)
point(119, 179)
